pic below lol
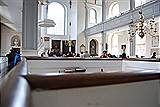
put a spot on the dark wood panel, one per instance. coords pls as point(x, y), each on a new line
point(67, 58)
point(14, 89)
point(64, 58)
point(74, 80)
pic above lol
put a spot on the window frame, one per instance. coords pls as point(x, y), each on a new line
point(95, 16)
point(111, 9)
point(65, 19)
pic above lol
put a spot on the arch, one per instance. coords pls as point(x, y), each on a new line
point(15, 41)
point(92, 16)
point(93, 47)
point(114, 9)
point(59, 17)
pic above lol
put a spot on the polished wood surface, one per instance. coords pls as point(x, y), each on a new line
point(90, 58)
point(74, 80)
point(68, 58)
point(16, 93)
point(14, 88)
point(144, 59)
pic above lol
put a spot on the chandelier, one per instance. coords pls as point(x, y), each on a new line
point(43, 2)
point(142, 27)
point(69, 42)
point(151, 27)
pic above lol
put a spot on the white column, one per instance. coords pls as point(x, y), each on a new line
point(132, 46)
point(29, 27)
point(103, 20)
point(86, 26)
point(132, 36)
point(132, 4)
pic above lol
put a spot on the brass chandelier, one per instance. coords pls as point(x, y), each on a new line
point(142, 27)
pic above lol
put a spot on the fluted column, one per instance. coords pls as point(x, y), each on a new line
point(29, 27)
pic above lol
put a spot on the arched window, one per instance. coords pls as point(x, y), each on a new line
point(114, 10)
point(93, 47)
point(139, 2)
point(56, 12)
point(92, 16)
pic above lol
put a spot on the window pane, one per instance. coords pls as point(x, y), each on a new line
point(139, 2)
point(56, 12)
point(114, 10)
point(92, 18)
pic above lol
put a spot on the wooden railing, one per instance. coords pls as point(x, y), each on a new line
point(17, 85)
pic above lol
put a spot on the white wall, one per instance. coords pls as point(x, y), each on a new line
point(54, 66)
point(123, 39)
point(80, 40)
point(80, 16)
point(6, 35)
point(98, 9)
point(124, 5)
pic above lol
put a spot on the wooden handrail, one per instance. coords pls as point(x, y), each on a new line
point(75, 80)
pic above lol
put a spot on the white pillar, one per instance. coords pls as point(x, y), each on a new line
point(103, 20)
point(132, 4)
point(29, 27)
point(86, 26)
point(132, 36)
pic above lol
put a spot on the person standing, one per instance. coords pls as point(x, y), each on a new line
point(154, 55)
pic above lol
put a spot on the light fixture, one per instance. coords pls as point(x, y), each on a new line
point(47, 23)
point(43, 2)
point(69, 42)
point(132, 29)
point(140, 27)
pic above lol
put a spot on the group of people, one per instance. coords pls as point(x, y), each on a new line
point(107, 55)
point(58, 53)
point(13, 58)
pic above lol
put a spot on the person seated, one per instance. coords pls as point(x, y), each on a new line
point(43, 54)
point(137, 56)
point(114, 56)
point(104, 55)
point(17, 58)
point(51, 53)
point(154, 55)
point(82, 55)
point(86, 54)
point(77, 55)
point(69, 54)
point(110, 56)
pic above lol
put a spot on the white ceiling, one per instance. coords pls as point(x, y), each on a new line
point(11, 12)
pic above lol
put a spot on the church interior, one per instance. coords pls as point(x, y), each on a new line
point(79, 53)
